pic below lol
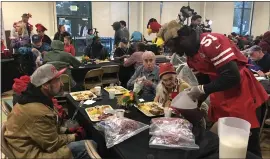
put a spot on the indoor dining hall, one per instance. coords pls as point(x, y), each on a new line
point(135, 79)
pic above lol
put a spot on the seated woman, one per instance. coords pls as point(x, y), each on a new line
point(96, 50)
point(21, 38)
point(169, 86)
point(122, 51)
point(41, 32)
point(147, 74)
point(136, 58)
point(61, 33)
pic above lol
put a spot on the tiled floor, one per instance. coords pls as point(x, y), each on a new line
point(265, 142)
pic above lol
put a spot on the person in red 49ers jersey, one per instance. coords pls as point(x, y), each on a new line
point(222, 73)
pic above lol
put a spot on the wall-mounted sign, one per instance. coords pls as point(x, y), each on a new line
point(73, 8)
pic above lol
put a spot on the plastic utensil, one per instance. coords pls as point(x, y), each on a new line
point(233, 137)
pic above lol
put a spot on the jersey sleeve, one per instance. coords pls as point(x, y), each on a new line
point(218, 49)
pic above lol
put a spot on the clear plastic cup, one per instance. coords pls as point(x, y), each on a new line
point(233, 137)
point(119, 113)
point(111, 94)
point(167, 112)
point(98, 90)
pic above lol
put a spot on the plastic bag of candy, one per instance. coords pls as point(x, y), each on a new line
point(172, 133)
point(118, 130)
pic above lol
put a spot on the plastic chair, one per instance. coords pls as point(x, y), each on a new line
point(4, 146)
point(90, 82)
point(113, 71)
point(65, 79)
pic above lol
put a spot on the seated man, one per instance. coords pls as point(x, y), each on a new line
point(96, 50)
point(32, 129)
point(136, 58)
point(32, 56)
point(262, 60)
point(147, 74)
point(61, 59)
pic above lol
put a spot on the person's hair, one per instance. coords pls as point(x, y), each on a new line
point(123, 23)
point(233, 34)
point(195, 17)
point(68, 38)
point(22, 26)
point(89, 30)
point(149, 53)
point(141, 47)
point(59, 27)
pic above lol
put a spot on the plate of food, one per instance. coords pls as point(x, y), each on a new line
point(102, 61)
point(99, 113)
point(117, 89)
point(83, 95)
point(151, 109)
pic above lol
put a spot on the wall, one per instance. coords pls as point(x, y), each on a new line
point(105, 13)
point(42, 12)
point(221, 13)
point(261, 18)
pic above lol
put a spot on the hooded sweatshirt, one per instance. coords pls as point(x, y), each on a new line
point(58, 55)
point(265, 43)
point(118, 33)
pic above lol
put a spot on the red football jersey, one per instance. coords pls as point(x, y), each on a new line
point(240, 101)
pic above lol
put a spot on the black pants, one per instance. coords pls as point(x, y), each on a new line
point(254, 139)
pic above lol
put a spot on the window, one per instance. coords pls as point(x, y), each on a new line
point(242, 17)
point(76, 16)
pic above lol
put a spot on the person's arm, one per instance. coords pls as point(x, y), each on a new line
point(132, 80)
point(14, 43)
point(229, 76)
point(73, 61)
point(130, 61)
point(72, 50)
point(44, 134)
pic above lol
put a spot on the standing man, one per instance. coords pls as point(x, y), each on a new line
point(222, 73)
point(125, 29)
point(118, 35)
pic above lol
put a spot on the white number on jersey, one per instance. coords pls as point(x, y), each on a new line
point(208, 39)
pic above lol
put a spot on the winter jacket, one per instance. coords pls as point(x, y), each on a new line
point(58, 36)
point(70, 49)
point(32, 128)
point(119, 34)
point(57, 54)
point(19, 42)
point(125, 33)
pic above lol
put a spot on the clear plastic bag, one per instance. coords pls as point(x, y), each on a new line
point(118, 130)
point(172, 133)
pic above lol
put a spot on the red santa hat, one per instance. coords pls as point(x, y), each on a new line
point(166, 68)
point(40, 27)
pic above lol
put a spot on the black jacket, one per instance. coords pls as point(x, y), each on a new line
point(58, 36)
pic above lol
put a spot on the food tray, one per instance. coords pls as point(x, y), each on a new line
point(146, 107)
point(118, 89)
point(82, 95)
point(95, 112)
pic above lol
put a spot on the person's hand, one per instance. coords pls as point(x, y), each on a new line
point(79, 134)
point(126, 56)
point(267, 74)
point(260, 73)
point(147, 83)
point(12, 38)
point(34, 50)
point(167, 104)
point(195, 92)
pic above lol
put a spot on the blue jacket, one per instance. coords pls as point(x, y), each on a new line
point(28, 50)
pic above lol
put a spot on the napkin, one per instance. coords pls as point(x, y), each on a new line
point(89, 102)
